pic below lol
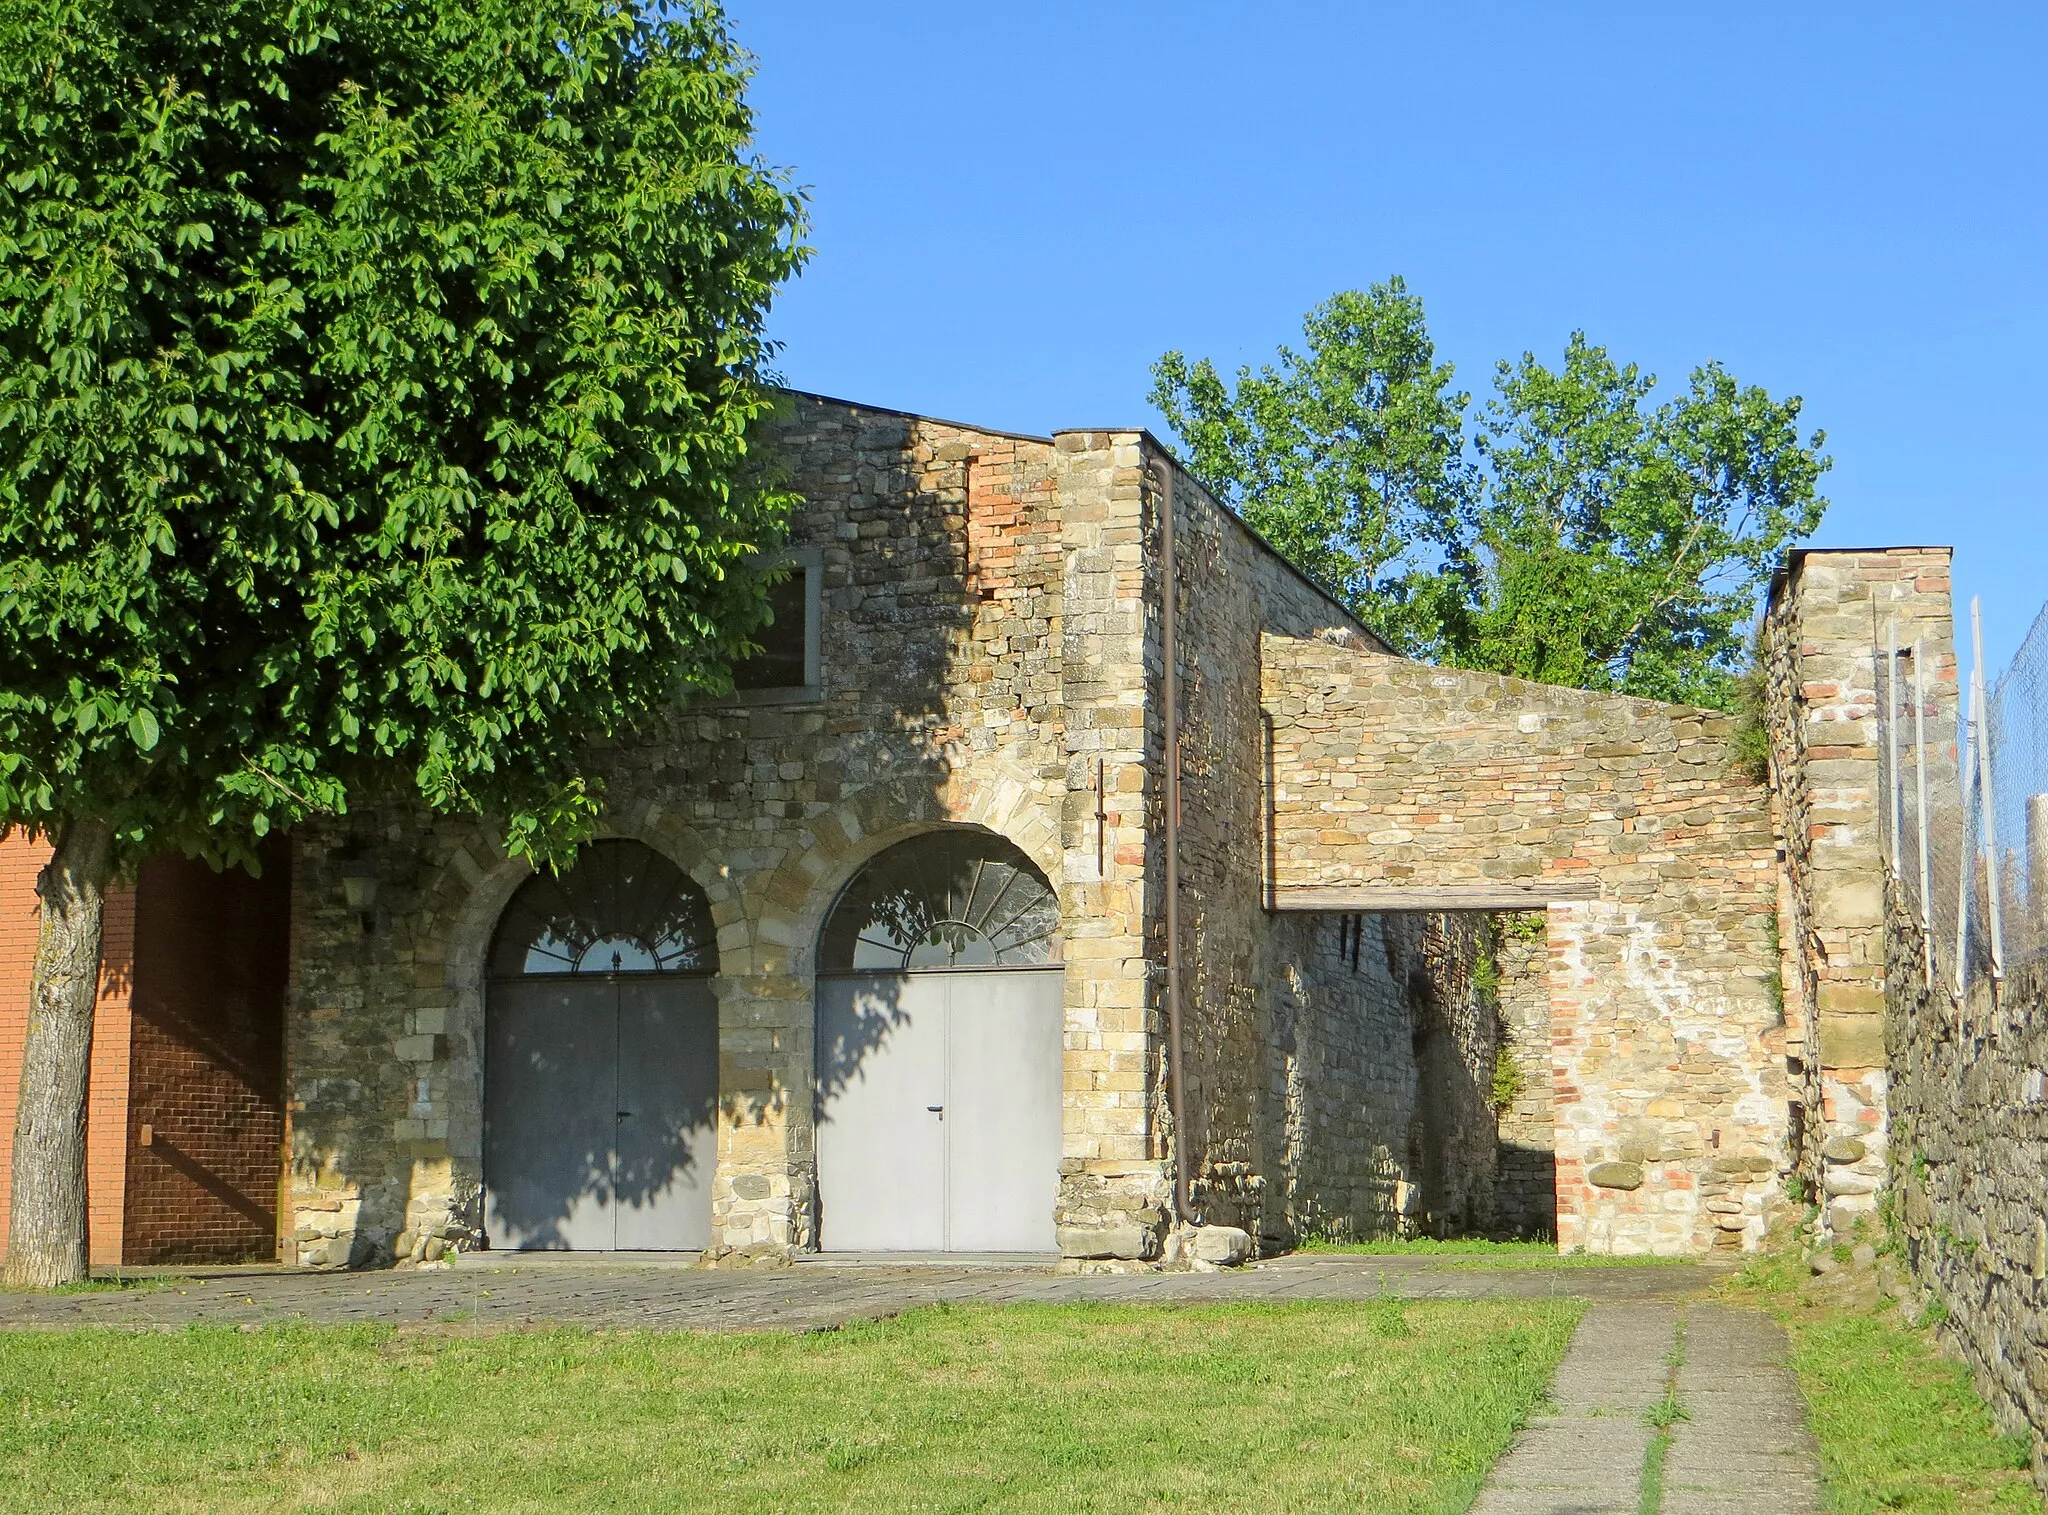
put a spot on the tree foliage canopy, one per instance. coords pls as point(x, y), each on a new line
point(1584, 536)
point(1349, 457)
point(374, 381)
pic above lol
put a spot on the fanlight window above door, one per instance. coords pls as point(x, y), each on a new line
point(621, 908)
point(950, 899)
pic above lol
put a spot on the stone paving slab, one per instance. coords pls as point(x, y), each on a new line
point(1744, 1445)
point(1741, 1446)
point(487, 1291)
point(1584, 1456)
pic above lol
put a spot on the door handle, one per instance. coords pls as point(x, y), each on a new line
point(622, 1114)
point(938, 1110)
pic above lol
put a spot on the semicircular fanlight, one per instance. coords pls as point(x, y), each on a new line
point(949, 899)
point(620, 908)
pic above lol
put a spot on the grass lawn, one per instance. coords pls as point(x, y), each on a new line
point(1898, 1424)
point(1388, 1406)
point(1477, 1253)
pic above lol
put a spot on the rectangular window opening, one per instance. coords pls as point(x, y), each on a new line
point(788, 663)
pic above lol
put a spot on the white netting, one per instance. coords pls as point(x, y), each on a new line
point(1976, 872)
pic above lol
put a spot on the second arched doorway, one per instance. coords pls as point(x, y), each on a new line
point(940, 1018)
point(601, 1059)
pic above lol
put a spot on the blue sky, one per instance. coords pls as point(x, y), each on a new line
point(1018, 207)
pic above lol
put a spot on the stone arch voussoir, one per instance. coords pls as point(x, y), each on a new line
point(791, 909)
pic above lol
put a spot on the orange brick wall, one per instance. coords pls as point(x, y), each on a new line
point(107, 1100)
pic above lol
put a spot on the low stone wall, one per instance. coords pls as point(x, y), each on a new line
point(1969, 1164)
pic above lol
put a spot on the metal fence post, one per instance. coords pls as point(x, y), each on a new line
point(1988, 792)
point(2037, 863)
point(1966, 864)
point(1891, 747)
point(1920, 779)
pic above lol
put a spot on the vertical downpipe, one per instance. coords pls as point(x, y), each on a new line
point(1169, 646)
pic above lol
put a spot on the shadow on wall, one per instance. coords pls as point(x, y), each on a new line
point(1479, 1140)
point(1453, 1135)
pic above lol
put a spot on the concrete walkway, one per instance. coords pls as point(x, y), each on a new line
point(499, 1291)
point(1737, 1442)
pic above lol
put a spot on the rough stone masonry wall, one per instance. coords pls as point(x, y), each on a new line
point(1342, 1083)
point(1525, 1179)
point(1381, 1053)
point(1667, 1038)
point(1230, 587)
point(1827, 625)
point(1969, 1163)
point(984, 627)
point(1454, 1033)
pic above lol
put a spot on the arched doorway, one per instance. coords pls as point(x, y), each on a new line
point(940, 1011)
point(601, 1059)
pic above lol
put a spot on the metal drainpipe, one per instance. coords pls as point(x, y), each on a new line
point(1170, 653)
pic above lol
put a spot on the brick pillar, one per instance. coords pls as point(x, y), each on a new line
point(1828, 626)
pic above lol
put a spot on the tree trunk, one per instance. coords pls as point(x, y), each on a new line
point(46, 1224)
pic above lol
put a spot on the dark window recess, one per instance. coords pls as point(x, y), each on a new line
point(780, 662)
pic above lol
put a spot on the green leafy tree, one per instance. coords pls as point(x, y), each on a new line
point(375, 384)
point(1622, 546)
point(1598, 540)
point(1349, 457)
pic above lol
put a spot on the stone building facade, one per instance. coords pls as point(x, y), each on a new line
point(990, 658)
point(987, 621)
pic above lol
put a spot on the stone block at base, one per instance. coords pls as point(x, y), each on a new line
point(1220, 1246)
point(1134, 1242)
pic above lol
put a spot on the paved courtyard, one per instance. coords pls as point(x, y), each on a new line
point(485, 1291)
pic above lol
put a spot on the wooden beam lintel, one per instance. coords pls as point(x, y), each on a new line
point(1367, 899)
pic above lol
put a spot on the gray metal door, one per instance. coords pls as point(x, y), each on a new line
point(667, 1142)
point(599, 1113)
point(939, 1111)
point(551, 1075)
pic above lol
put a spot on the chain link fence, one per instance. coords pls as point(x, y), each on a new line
point(1965, 799)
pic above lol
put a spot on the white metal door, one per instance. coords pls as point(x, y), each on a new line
point(938, 1111)
point(881, 1113)
point(599, 1113)
point(1003, 1110)
point(551, 1073)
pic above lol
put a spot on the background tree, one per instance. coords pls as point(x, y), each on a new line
point(1597, 541)
point(1624, 547)
point(375, 382)
point(1348, 457)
